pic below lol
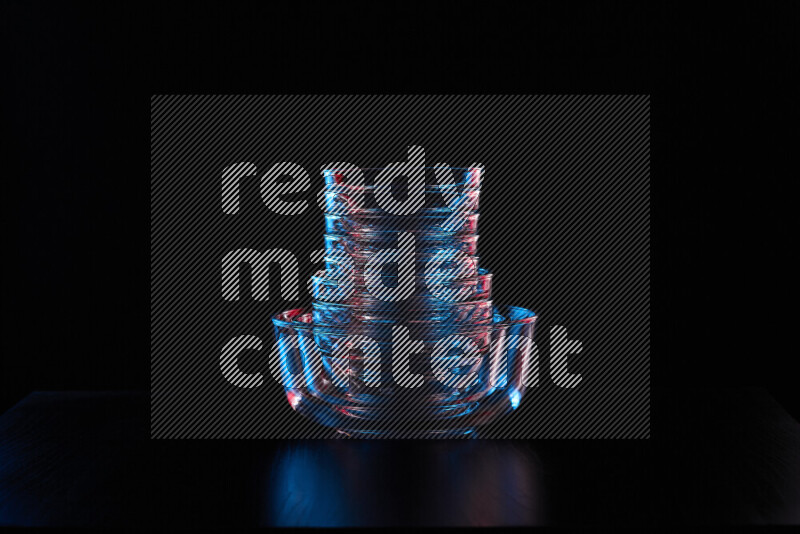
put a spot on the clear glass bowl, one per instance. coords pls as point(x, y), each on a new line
point(433, 313)
point(325, 288)
point(450, 223)
point(374, 401)
point(357, 263)
point(365, 244)
point(469, 177)
point(364, 203)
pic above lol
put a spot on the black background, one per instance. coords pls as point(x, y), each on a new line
point(75, 90)
point(77, 81)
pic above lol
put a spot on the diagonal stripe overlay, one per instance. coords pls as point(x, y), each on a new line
point(564, 228)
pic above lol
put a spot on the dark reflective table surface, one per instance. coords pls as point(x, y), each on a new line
point(721, 457)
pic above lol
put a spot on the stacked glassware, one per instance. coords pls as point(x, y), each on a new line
point(402, 338)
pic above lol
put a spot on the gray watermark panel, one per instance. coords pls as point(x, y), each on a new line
point(237, 201)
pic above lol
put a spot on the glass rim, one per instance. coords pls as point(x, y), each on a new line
point(344, 187)
point(379, 212)
point(483, 274)
point(383, 215)
point(513, 316)
point(446, 304)
point(428, 236)
point(480, 168)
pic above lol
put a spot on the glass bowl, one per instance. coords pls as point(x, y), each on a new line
point(382, 399)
